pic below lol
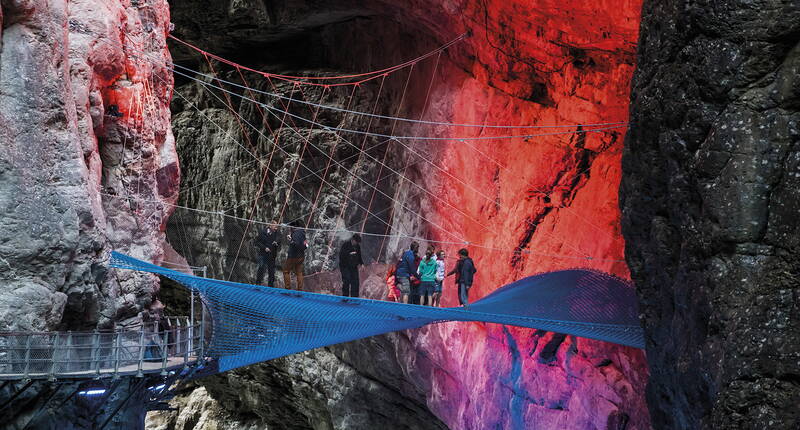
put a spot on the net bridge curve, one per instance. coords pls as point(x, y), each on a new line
point(253, 323)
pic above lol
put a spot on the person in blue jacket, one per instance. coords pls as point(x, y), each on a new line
point(405, 270)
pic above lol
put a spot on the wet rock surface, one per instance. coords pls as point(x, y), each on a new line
point(710, 200)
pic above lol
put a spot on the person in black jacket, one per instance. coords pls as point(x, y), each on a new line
point(267, 243)
point(349, 260)
point(465, 271)
point(295, 257)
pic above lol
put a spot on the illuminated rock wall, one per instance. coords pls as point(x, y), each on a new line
point(552, 199)
point(541, 203)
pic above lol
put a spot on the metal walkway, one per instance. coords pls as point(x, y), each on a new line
point(146, 349)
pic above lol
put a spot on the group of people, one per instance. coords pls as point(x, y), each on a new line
point(413, 278)
point(267, 244)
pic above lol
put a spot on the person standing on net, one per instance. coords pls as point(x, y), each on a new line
point(427, 274)
point(405, 270)
point(465, 271)
point(267, 243)
point(295, 257)
point(437, 290)
point(349, 260)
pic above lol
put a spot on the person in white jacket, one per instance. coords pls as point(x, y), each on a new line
point(437, 290)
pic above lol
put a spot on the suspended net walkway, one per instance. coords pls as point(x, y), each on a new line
point(251, 323)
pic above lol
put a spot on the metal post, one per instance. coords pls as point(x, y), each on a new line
point(117, 347)
point(177, 330)
point(139, 373)
point(93, 351)
point(164, 353)
point(200, 356)
point(53, 357)
point(27, 356)
point(67, 361)
point(96, 351)
point(191, 319)
point(187, 344)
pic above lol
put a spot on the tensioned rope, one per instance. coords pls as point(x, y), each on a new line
point(258, 131)
point(261, 184)
point(300, 79)
point(430, 138)
point(399, 236)
point(405, 170)
point(360, 153)
point(389, 146)
point(251, 323)
point(352, 175)
point(336, 141)
point(376, 160)
point(588, 258)
point(349, 172)
point(404, 119)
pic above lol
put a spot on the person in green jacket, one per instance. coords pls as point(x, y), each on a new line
point(427, 274)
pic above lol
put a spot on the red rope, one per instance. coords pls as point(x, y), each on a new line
point(388, 146)
point(405, 169)
point(361, 152)
point(299, 79)
point(330, 158)
point(303, 151)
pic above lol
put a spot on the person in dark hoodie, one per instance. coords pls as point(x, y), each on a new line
point(267, 244)
point(295, 257)
point(349, 260)
point(407, 269)
point(465, 271)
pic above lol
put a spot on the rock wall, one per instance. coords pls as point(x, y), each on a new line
point(527, 200)
point(63, 66)
point(84, 117)
point(538, 204)
point(709, 196)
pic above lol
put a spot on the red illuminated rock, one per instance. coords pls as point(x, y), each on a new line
point(538, 204)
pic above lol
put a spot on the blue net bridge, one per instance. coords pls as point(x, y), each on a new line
point(251, 323)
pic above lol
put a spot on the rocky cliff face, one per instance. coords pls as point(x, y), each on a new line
point(710, 201)
point(540, 203)
point(84, 115)
point(84, 124)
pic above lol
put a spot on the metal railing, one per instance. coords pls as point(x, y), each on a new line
point(147, 348)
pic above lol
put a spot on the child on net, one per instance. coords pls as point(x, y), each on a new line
point(393, 293)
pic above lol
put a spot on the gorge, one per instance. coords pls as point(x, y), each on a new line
point(687, 188)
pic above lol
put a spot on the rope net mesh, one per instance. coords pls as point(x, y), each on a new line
point(251, 323)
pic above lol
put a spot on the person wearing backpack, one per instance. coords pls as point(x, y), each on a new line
point(465, 272)
point(405, 271)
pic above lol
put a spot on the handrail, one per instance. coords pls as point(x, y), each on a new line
point(98, 353)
